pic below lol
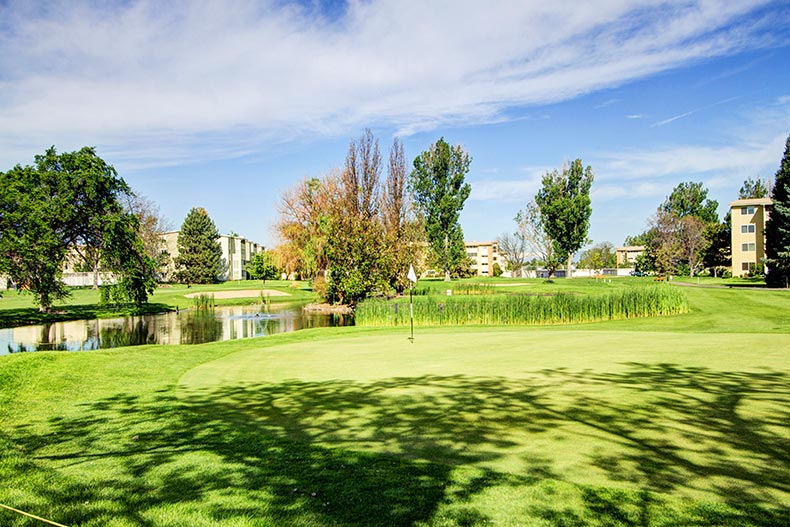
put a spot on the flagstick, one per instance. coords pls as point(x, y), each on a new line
point(411, 315)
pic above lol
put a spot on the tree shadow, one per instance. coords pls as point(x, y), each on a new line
point(386, 452)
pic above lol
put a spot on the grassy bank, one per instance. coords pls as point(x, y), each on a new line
point(18, 308)
point(679, 420)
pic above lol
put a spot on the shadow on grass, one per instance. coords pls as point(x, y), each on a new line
point(12, 318)
point(258, 451)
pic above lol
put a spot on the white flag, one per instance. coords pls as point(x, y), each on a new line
point(412, 275)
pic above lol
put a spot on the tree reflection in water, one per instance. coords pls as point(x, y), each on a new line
point(185, 327)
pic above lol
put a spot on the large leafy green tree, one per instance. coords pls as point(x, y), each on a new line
point(565, 206)
point(199, 259)
point(777, 228)
point(69, 202)
point(691, 199)
point(437, 181)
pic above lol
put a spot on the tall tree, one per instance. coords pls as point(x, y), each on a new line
point(754, 189)
point(691, 199)
point(532, 229)
point(305, 211)
point(152, 224)
point(777, 228)
point(355, 247)
point(402, 226)
point(437, 181)
point(199, 259)
point(513, 249)
point(68, 201)
point(564, 201)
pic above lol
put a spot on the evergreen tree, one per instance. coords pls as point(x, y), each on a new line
point(777, 228)
point(199, 258)
point(437, 181)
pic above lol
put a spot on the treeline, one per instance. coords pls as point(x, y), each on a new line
point(355, 231)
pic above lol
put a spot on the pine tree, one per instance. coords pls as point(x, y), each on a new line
point(777, 228)
point(199, 259)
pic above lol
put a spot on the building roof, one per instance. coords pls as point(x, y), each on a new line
point(753, 201)
point(631, 248)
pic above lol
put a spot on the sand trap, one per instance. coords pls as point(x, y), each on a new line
point(244, 293)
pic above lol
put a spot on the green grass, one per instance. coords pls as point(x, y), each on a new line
point(680, 420)
point(18, 308)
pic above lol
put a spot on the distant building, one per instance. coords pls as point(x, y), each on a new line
point(237, 252)
point(748, 217)
point(626, 256)
point(483, 255)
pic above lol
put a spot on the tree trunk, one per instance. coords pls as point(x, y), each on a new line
point(568, 269)
point(96, 275)
point(446, 258)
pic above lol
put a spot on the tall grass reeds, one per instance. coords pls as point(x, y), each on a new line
point(473, 289)
point(510, 309)
point(203, 302)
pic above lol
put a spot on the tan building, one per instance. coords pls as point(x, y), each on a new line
point(483, 255)
point(626, 256)
point(748, 234)
point(237, 252)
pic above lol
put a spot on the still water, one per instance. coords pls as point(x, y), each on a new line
point(186, 327)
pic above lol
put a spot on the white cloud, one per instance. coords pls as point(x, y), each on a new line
point(162, 82)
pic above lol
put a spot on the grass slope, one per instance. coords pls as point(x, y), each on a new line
point(653, 422)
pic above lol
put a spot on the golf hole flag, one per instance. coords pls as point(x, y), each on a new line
point(412, 275)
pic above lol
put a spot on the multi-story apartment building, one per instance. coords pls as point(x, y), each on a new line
point(626, 256)
point(483, 255)
point(748, 234)
point(237, 252)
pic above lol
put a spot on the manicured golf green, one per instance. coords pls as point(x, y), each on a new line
point(680, 420)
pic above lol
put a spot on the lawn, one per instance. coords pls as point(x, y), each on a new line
point(681, 420)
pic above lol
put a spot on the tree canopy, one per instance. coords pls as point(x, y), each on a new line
point(565, 206)
point(777, 228)
point(199, 259)
point(437, 181)
point(691, 199)
point(754, 188)
point(69, 202)
point(262, 267)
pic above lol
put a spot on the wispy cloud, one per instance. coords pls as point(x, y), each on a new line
point(606, 103)
point(163, 82)
point(635, 116)
point(695, 110)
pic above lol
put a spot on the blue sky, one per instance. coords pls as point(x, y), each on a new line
point(225, 105)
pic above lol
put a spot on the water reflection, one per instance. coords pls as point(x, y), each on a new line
point(186, 327)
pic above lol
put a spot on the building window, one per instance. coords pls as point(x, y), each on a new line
point(747, 247)
point(747, 266)
point(747, 228)
point(747, 210)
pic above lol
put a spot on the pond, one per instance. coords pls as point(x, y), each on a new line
point(185, 327)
